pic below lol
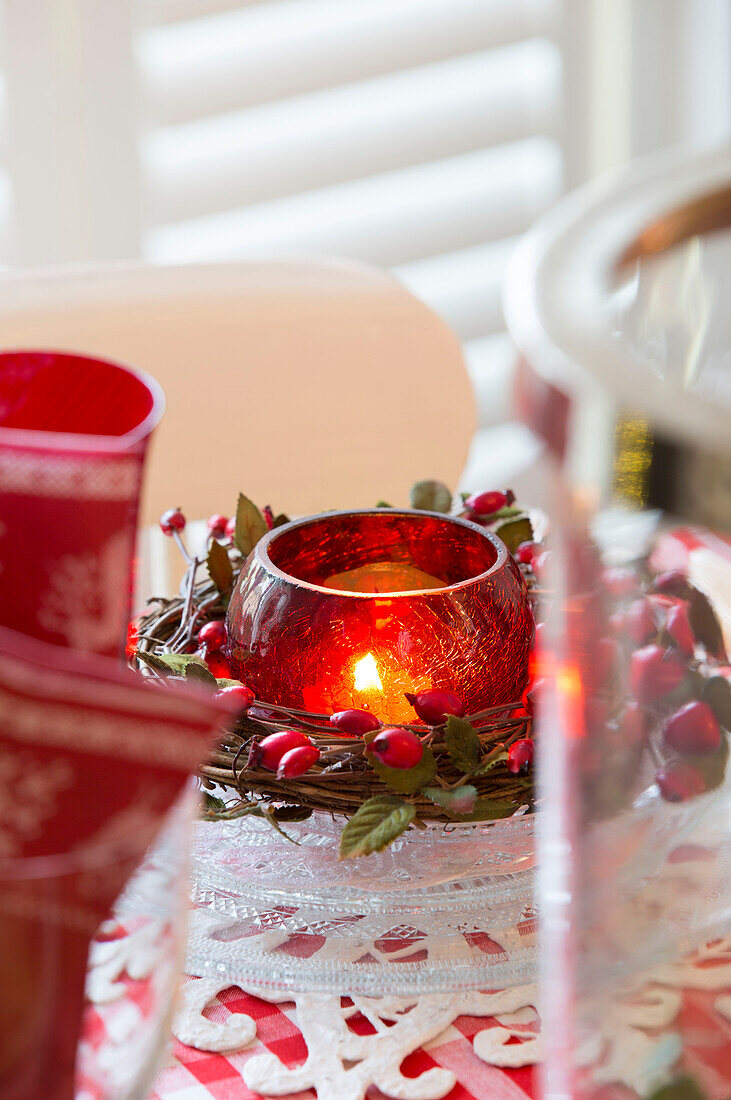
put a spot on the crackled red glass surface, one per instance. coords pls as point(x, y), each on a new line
point(354, 609)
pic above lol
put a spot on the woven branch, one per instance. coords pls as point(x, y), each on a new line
point(342, 780)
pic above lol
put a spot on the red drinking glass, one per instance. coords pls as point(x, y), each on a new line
point(82, 794)
point(73, 436)
point(354, 609)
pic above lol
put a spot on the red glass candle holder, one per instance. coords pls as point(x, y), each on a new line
point(300, 636)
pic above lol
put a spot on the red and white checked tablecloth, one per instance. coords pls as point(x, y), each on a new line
point(196, 1075)
point(703, 1016)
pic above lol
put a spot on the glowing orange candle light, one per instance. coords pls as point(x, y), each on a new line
point(354, 609)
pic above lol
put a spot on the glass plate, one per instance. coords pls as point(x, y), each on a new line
point(446, 907)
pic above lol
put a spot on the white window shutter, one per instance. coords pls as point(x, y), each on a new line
point(72, 130)
point(420, 135)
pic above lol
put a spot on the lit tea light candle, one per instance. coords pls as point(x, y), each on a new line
point(367, 677)
point(380, 687)
point(383, 576)
point(355, 609)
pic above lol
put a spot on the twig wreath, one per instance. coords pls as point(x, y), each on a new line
point(661, 699)
point(285, 763)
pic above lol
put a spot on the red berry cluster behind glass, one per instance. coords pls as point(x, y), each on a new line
point(655, 686)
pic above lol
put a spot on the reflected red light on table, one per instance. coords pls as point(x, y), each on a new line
point(320, 619)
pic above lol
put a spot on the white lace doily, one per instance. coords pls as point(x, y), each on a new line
point(632, 1042)
point(637, 1043)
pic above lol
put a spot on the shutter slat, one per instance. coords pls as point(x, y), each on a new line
point(285, 48)
point(391, 219)
point(345, 133)
point(463, 287)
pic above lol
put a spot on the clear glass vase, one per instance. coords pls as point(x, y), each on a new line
point(617, 301)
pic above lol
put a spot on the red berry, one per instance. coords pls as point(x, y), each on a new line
point(133, 636)
point(520, 756)
point(693, 729)
point(526, 552)
point(397, 748)
point(678, 627)
point(528, 699)
point(639, 622)
point(238, 693)
point(230, 529)
point(213, 635)
point(297, 761)
point(620, 582)
point(484, 504)
point(434, 706)
point(268, 516)
point(540, 564)
point(655, 672)
point(172, 520)
point(218, 666)
point(217, 525)
point(679, 782)
point(672, 583)
point(271, 749)
point(354, 722)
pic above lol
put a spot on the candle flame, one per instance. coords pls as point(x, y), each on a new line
point(367, 677)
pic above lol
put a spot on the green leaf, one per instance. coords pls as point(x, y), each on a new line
point(200, 674)
point(515, 531)
point(462, 743)
point(488, 809)
point(268, 813)
point(222, 682)
point(280, 520)
point(705, 625)
point(212, 804)
point(488, 765)
point(461, 800)
point(383, 504)
point(220, 569)
point(375, 825)
point(682, 1088)
point(291, 813)
point(432, 496)
point(406, 780)
point(717, 693)
point(713, 767)
point(171, 664)
point(250, 525)
point(507, 512)
point(218, 810)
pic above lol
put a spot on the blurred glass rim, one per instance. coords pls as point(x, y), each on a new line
point(562, 275)
point(81, 443)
